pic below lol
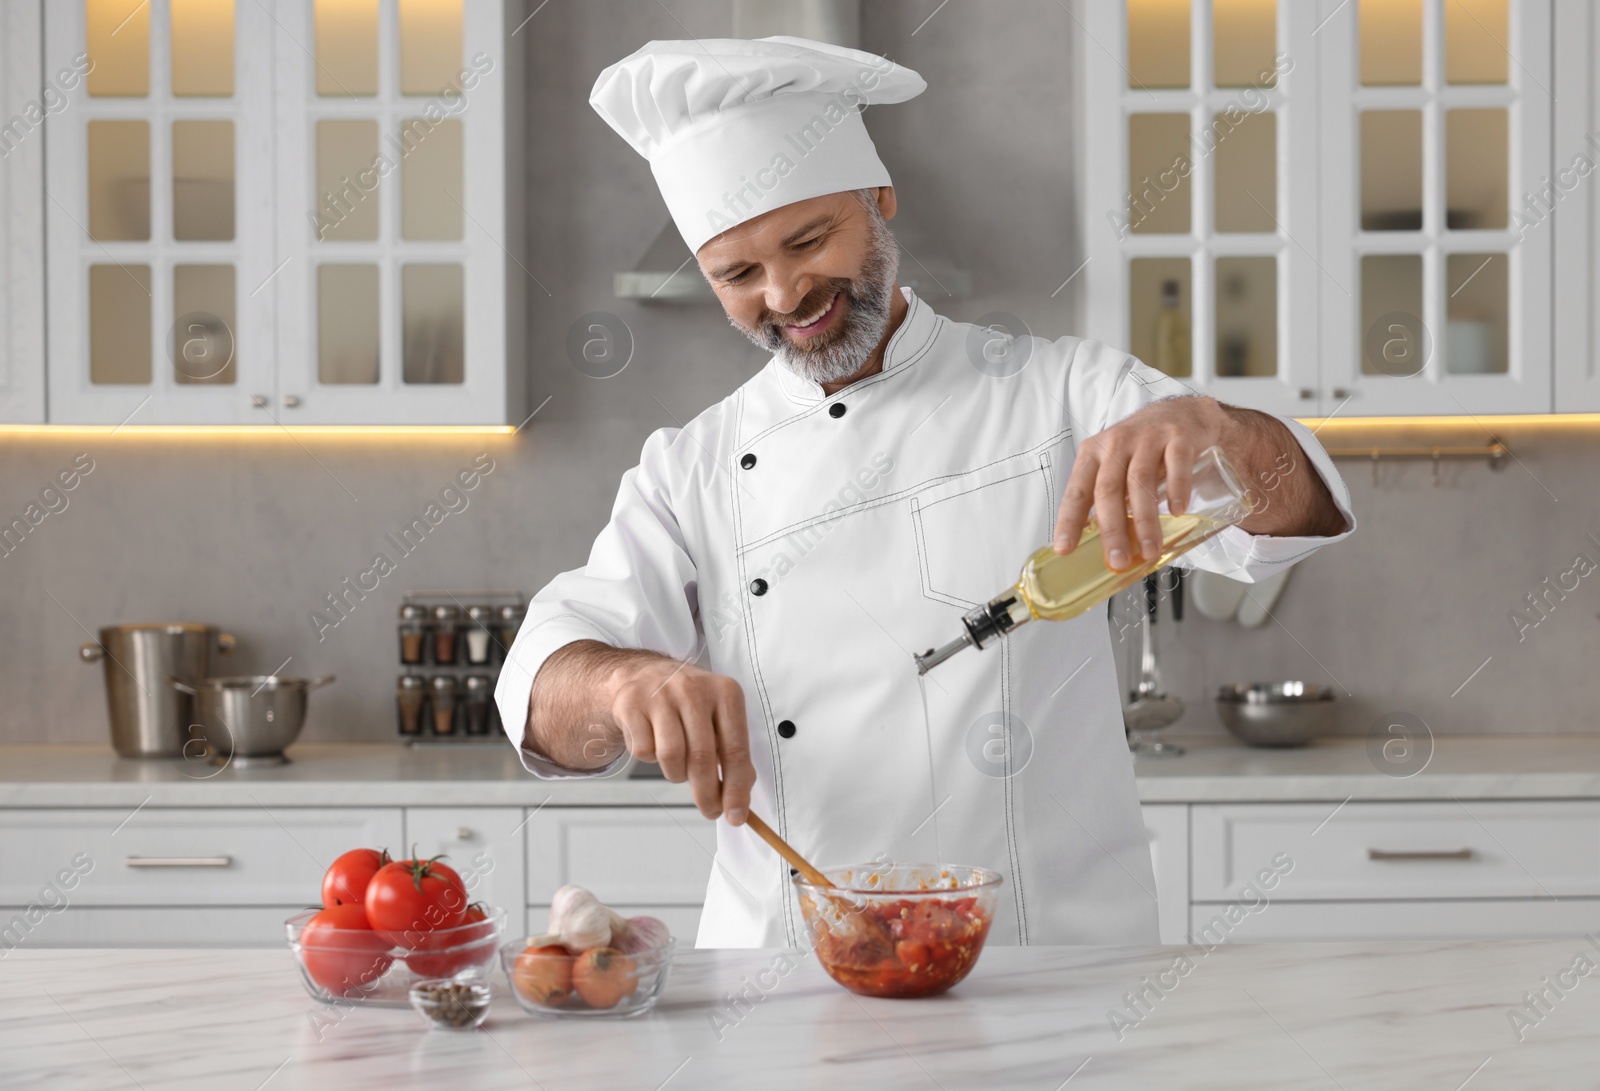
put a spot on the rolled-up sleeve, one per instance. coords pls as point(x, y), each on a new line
point(638, 590)
point(1104, 385)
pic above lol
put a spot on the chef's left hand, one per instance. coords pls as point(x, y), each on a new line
point(1118, 470)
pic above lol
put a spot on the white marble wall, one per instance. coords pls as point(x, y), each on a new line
point(251, 533)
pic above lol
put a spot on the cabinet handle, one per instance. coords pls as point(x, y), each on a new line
point(464, 833)
point(1425, 854)
point(1306, 393)
point(258, 401)
point(1340, 393)
point(291, 401)
point(179, 861)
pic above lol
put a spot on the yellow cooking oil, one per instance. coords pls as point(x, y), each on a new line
point(1060, 586)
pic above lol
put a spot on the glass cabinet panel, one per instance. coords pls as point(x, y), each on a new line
point(118, 41)
point(119, 324)
point(1159, 290)
point(430, 45)
point(1247, 173)
point(1475, 41)
point(1159, 172)
point(347, 180)
point(1390, 42)
point(202, 47)
point(119, 181)
point(347, 324)
point(433, 319)
point(204, 349)
point(1247, 316)
point(430, 179)
point(1393, 338)
point(1158, 43)
point(1244, 42)
point(1391, 170)
point(1476, 325)
point(202, 180)
point(347, 47)
point(1477, 167)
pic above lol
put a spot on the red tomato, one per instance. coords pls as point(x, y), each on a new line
point(409, 898)
point(348, 876)
point(445, 954)
point(341, 952)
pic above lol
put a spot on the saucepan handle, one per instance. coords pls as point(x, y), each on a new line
point(320, 681)
point(181, 686)
point(91, 653)
point(226, 642)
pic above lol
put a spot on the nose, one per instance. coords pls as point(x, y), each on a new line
point(786, 293)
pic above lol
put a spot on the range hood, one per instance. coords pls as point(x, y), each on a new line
point(666, 271)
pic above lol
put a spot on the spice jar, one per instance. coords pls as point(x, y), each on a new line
point(413, 633)
point(452, 1004)
point(410, 699)
point(510, 622)
point(478, 635)
point(479, 700)
point(442, 688)
point(446, 634)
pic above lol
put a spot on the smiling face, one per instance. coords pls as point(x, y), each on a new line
point(811, 282)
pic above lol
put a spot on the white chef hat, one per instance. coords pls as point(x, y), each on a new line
point(734, 128)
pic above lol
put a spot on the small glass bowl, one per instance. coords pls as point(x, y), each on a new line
point(627, 985)
point(899, 930)
point(361, 967)
point(452, 1003)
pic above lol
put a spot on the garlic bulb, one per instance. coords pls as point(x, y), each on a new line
point(586, 925)
point(619, 924)
point(641, 934)
point(565, 900)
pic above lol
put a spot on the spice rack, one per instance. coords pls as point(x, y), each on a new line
point(451, 646)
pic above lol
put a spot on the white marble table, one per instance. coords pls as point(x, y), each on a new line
point(1410, 1016)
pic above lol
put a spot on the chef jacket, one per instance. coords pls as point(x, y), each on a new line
point(807, 545)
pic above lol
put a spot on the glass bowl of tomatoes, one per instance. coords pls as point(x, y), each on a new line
point(899, 930)
point(342, 959)
point(548, 979)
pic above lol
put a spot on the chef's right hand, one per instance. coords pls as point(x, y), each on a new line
point(691, 722)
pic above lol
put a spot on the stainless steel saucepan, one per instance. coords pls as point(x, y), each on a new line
point(249, 719)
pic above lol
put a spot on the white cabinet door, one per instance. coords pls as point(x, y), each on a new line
point(1476, 849)
point(145, 926)
point(1435, 300)
point(1573, 198)
point(22, 113)
point(1167, 825)
point(1294, 922)
point(158, 856)
point(483, 844)
point(626, 855)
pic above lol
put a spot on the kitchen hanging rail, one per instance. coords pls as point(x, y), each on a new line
point(1494, 452)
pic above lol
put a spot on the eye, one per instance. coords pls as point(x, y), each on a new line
point(739, 277)
point(809, 244)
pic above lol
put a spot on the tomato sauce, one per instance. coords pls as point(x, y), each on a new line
point(905, 948)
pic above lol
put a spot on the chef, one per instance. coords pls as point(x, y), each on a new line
point(749, 615)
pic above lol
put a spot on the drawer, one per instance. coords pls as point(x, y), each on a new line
point(1487, 918)
point(683, 921)
point(182, 856)
point(483, 844)
point(145, 926)
point(626, 855)
point(1487, 849)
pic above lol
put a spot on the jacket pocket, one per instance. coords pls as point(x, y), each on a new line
point(973, 531)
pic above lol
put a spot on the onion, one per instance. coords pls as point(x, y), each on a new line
point(586, 925)
point(565, 900)
point(641, 934)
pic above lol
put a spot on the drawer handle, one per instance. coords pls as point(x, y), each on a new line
point(1426, 854)
point(179, 861)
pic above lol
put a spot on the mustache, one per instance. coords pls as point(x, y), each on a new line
point(814, 301)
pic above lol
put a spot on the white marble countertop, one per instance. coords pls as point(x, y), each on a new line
point(379, 774)
point(1290, 1017)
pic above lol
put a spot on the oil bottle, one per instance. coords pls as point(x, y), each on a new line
point(1056, 587)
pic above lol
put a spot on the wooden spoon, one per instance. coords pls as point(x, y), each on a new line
point(868, 935)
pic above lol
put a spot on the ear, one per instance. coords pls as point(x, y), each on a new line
point(886, 202)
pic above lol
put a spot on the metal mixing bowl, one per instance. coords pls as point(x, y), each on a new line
point(1276, 714)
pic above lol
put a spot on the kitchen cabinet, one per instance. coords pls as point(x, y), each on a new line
point(1311, 208)
point(282, 214)
point(1324, 922)
point(1566, 207)
point(483, 845)
point(22, 113)
point(630, 856)
point(1167, 825)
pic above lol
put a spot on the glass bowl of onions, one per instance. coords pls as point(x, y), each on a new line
point(592, 963)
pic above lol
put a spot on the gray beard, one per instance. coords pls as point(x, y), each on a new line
point(847, 346)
